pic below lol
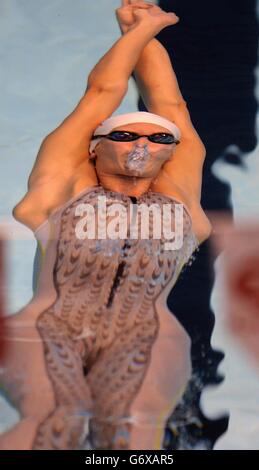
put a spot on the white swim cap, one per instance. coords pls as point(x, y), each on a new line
point(141, 116)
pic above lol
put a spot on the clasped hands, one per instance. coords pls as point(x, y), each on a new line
point(132, 12)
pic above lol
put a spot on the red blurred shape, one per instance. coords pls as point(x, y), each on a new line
point(246, 283)
point(241, 283)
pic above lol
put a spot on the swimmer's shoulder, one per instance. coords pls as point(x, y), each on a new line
point(34, 215)
point(201, 225)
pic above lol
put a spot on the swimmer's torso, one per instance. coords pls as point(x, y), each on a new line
point(108, 342)
point(115, 281)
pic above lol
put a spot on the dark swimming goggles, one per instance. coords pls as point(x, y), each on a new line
point(126, 136)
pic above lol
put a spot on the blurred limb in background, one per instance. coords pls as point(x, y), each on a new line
point(241, 284)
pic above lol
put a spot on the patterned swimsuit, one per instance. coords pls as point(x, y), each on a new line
point(117, 358)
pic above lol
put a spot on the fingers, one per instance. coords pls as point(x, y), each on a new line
point(126, 3)
point(173, 17)
point(140, 3)
point(136, 3)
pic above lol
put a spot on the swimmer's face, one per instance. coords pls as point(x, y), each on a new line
point(112, 157)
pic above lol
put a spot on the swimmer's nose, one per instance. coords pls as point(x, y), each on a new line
point(142, 142)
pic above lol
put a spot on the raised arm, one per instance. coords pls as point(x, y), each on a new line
point(161, 95)
point(158, 86)
point(62, 165)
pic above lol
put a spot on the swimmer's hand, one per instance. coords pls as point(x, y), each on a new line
point(134, 11)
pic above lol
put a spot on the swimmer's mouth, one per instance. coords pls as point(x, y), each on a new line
point(129, 177)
